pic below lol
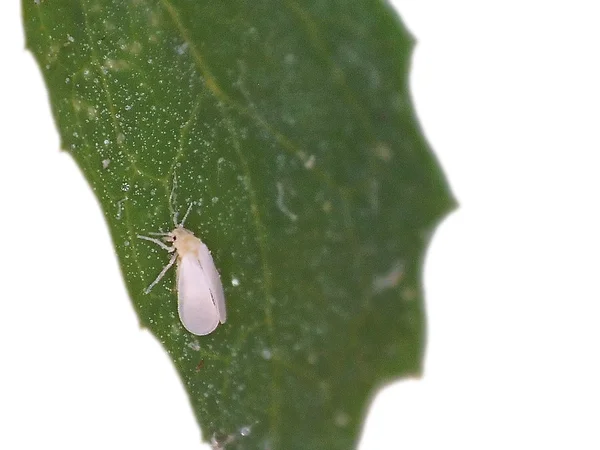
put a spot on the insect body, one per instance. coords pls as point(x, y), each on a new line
point(199, 290)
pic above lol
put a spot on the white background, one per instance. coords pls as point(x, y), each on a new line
point(508, 94)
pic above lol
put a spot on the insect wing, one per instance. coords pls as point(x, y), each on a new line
point(197, 312)
point(214, 281)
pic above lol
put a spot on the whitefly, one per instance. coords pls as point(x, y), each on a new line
point(201, 300)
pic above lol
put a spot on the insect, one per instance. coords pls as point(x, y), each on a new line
point(201, 300)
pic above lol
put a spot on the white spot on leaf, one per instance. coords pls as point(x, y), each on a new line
point(390, 279)
point(342, 419)
point(281, 204)
point(310, 162)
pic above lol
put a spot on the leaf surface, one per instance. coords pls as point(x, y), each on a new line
point(289, 127)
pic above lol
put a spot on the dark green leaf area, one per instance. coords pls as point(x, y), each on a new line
point(288, 127)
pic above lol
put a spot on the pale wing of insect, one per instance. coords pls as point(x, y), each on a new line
point(214, 281)
point(197, 311)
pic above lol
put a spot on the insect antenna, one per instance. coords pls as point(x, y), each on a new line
point(171, 199)
point(174, 213)
point(187, 213)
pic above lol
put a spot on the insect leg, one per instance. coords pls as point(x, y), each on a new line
point(157, 242)
point(161, 274)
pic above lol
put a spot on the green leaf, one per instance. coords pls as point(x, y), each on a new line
point(290, 127)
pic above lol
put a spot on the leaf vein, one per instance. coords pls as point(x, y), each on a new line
point(268, 282)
